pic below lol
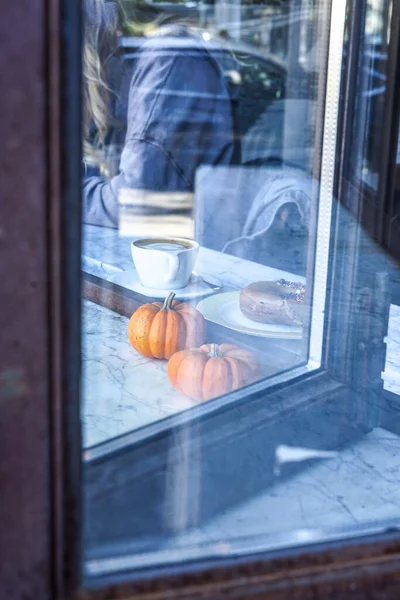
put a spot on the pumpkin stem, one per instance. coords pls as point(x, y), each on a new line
point(168, 301)
point(213, 351)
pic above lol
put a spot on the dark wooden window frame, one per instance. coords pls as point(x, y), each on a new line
point(374, 208)
point(40, 458)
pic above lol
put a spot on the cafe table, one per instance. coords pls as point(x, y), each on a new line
point(123, 390)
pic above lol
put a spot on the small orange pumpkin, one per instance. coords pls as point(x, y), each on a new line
point(212, 370)
point(158, 330)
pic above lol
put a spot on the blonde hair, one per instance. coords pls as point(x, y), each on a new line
point(99, 29)
point(96, 90)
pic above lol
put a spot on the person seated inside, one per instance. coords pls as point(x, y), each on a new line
point(175, 114)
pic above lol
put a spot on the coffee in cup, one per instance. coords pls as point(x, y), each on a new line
point(164, 263)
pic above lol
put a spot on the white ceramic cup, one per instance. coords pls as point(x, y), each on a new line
point(164, 263)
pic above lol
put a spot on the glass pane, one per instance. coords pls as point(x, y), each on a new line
point(202, 137)
point(237, 277)
point(372, 79)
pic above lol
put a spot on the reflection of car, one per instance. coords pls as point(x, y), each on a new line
point(259, 112)
point(263, 81)
point(260, 82)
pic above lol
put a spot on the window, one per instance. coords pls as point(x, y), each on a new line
point(229, 171)
point(221, 297)
point(157, 419)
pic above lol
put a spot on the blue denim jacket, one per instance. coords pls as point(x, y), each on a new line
point(179, 116)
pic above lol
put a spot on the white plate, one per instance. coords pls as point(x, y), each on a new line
point(130, 280)
point(224, 310)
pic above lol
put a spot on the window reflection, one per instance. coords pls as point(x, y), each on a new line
point(222, 258)
point(372, 80)
point(197, 128)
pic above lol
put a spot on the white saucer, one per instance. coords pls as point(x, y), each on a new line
point(130, 280)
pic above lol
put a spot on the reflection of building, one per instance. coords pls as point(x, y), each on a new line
point(374, 18)
point(271, 27)
point(267, 24)
point(228, 15)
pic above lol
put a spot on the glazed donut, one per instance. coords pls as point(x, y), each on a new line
point(280, 302)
